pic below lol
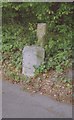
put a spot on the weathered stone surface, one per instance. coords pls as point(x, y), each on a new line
point(41, 33)
point(32, 56)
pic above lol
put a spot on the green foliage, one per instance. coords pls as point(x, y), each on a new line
point(19, 29)
point(40, 69)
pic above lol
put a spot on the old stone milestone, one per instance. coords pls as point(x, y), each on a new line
point(33, 56)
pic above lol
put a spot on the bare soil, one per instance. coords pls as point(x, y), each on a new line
point(50, 84)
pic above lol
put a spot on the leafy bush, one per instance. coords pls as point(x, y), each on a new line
point(19, 29)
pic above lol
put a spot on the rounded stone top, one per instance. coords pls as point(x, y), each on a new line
point(32, 48)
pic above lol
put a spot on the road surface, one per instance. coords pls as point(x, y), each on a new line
point(17, 103)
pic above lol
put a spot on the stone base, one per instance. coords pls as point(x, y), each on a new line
point(33, 56)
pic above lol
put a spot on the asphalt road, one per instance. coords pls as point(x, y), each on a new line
point(17, 103)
